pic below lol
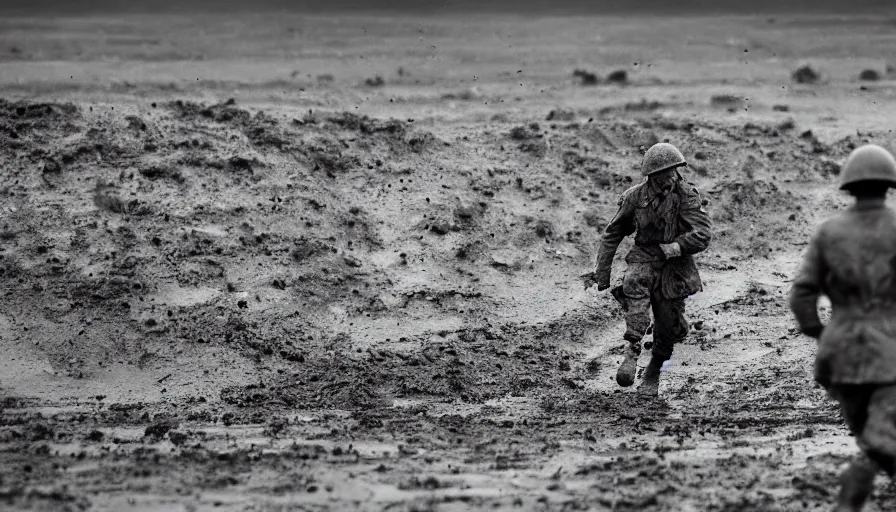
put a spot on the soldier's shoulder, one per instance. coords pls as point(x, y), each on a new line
point(689, 189)
point(632, 191)
point(835, 225)
point(690, 194)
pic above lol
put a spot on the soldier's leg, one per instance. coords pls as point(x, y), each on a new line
point(857, 480)
point(636, 285)
point(856, 484)
point(670, 327)
point(878, 438)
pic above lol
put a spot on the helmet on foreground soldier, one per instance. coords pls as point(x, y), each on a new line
point(869, 163)
point(661, 157)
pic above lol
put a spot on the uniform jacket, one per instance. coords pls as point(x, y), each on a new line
point(852, 260)
point(656, 219)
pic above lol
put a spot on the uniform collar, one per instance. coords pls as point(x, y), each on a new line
point(654, 191)
point(869, 204)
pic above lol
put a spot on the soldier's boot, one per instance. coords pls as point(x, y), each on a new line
point(856, 484)
point(625, 375)
point(650, 381)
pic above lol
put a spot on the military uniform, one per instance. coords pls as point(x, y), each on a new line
point(670, 226)
point(653, 282)
point(852, 260)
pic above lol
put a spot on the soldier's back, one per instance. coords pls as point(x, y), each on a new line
point(858, 251)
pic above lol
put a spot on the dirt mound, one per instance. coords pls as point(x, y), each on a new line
point(728, 101)
point(471, 365)
point(261, 130)
point(368, 126)
point(560, 114)
point(359, 295)
point(308, 213)
point(20, 118)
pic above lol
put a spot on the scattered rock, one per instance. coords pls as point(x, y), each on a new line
point(594, 219)
point(161, 427)
point(136, 123)
point(52, 167)
point(277, 425)
point(828, 167)
point(468, 211)
point(519, 133)
point(781, 108)
point(155, 172)
point(178, 438)
point(559, 114)
point(106, 198)
point(786, 125)
point(40, 431)
point(506, 259)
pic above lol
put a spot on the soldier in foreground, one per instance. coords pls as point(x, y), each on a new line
point(852, 260)
point(670, 225)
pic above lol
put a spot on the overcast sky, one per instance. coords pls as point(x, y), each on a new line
point(52, 7)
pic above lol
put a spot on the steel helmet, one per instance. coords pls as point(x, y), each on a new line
point(869, 163)
point(660, 157)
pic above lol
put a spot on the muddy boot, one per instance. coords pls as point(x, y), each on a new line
point(856, 484)
point(625, 375)
point(650, 381)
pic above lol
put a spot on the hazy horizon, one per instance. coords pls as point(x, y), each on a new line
point(61, 7)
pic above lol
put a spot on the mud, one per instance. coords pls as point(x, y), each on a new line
point(310, 292)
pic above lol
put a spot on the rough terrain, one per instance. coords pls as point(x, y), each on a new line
point(305, 263)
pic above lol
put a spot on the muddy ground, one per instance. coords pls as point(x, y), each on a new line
point(310, 263)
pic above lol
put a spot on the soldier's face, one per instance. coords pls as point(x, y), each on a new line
point(665, 180)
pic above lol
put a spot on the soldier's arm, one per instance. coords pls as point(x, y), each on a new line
point(622, 225)
point(807, 288)
point(699, 233)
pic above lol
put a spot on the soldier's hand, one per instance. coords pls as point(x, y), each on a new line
point(590, 279)
point(814, 332)
point(672, 250)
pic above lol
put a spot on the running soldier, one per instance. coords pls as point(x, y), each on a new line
point(670, 225)
point(852, 260)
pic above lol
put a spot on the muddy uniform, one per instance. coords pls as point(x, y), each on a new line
point(852, 260)
point(652, 281)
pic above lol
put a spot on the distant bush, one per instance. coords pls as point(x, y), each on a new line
point(871, 75)
point(586, 77)
point(806, 75)
point(620, 76)
point(376, 81)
